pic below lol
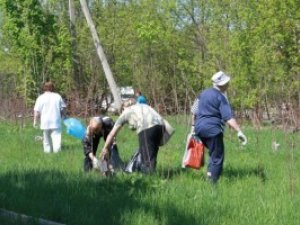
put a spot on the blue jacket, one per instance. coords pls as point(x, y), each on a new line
point(213, 111)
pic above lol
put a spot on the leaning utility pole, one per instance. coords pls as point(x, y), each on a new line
point(101, 55)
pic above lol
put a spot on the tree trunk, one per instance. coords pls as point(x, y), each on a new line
point(75, 58)
point(101, 55)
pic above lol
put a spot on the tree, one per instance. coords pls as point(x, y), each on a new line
point(75, 57)
point(35, 37)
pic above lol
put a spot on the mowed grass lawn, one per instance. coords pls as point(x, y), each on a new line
point(259, 185)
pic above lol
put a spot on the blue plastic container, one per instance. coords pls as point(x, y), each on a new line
point(75, 128)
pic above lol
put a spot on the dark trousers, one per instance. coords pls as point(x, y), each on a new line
point(149, 141)
point(87, 163)
point(215, 145)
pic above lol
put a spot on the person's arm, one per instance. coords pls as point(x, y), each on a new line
point(194, 110)
point(63, 113)
point(63, 110)
point(193, 123)
point(35, 118)
point(87, 146)
point(90, 145)
point(233, 123)
point(193, 119)
point(109, 140)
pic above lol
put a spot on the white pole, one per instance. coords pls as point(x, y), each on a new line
point(101, 55)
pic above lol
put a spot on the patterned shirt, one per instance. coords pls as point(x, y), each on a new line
point(140, 117)
point(91, 142)
point(194, 108)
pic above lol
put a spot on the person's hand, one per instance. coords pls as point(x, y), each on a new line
point(242, 137)
point(104, 154)
point(63, 114)
point(35, 125)
point(193, 129)
point(95, 163)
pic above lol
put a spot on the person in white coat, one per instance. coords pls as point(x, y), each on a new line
point(49, 109)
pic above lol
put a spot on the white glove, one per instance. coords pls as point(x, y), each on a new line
point(95, 163)
point(242, 137)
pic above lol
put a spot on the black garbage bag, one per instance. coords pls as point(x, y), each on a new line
point(115, 162)
point(135, 163)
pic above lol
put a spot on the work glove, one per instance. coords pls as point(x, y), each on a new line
point(95, 163)
point(242, 137)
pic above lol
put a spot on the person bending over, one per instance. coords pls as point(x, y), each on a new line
point(149, 128)
point(98, 127)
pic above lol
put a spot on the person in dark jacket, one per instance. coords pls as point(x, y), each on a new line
point(98, 127)
point(211, 111)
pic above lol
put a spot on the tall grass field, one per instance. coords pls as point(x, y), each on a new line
point(259, 185)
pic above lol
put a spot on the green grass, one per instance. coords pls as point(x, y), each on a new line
point(259, 185)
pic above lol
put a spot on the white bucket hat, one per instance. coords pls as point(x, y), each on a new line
point(220, 78)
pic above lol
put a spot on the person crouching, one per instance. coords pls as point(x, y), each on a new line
point(98, 127)
point(149, 128)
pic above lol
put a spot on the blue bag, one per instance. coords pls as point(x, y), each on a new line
point(75, 128)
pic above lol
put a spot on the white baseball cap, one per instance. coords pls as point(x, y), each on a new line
point(220, 78)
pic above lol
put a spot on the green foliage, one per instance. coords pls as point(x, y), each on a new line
point(168, 49)
point(41, 44)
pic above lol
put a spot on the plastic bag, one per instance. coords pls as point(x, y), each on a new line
point(108, 166)
point(75, 128)
point(168, 131)
point(194, 153)
point(135, 163)
point(114, 160)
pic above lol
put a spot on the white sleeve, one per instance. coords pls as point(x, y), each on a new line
point(37, 105)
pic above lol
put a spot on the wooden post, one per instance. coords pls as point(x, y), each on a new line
point(101, 55)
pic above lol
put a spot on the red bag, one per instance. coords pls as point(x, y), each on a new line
point(194, 156)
